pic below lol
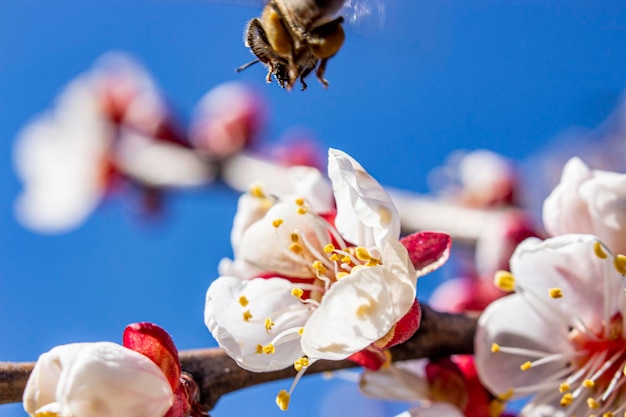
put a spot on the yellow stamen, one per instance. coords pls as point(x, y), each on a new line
point(282, 400)
point(495, 348)
point(300, 201)
point(567, 399)
point(243, 301)
point(362, 254)
point(247, 315)
point(46, 414)
point(526, 366)
point(294, 237)
point(303, 210)
point(277, 222)
point(620, 264)
point(269, 349)
point(259, 349)
point(564, 387)
point(599, 250)
point(257, 191)
point(346, 260)
point(372, 262)
point(330, 248)
point(588, 383)
point(300, 331)
point(505, 396)
point(319, 267)
point(297, 292)
point(505, 281)
point(340, 275)
point(495, 408)
point(303, 362)
point(592, 404)
point(334, 257)
point(555, 292)
point(295, 248)
point(269, 324)
point(608, 414)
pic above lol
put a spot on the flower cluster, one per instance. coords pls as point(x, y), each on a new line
point(309, 282)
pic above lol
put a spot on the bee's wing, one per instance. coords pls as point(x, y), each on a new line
point(367, 15)
point(364, 16)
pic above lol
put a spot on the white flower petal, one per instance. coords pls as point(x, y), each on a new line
point(433, 410)
point(360, 308)
point(100, 380)
point(605, 197)
point(42, 384)
point(365, 213)
point(267, 298)
point(568, 262)
point(108, 380)
point(310, 184)
point(510, 321)
point(267, 246)
point(401, 381)
point(564, 211)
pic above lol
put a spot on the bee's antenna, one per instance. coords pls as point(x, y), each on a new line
point(244, 66)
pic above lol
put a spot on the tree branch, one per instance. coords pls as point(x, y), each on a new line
point(216, 374)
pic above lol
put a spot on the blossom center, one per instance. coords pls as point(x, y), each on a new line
point(329, 257)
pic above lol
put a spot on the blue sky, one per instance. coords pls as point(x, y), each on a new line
point(441, 75)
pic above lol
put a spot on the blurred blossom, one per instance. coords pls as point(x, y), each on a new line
point(588, 201)
point(227, 119)
point(474, 289)
point(560, 337)
point(108, 127)
point(478, 178)
point(448, 386)
point(297, 147)
point(433, 410)
point(332, 285)
point(270, 162)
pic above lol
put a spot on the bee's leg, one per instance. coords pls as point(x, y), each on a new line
point(246, 65)
point(256, 40)
point(268, 77)
point(304, 74)
point(254, 31)
point(321, 69)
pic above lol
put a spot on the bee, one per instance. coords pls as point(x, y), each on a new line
point(293, 38)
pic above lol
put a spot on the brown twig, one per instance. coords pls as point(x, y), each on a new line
point(440, 334)
point(13, 377)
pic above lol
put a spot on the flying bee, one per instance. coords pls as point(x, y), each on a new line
point(294, 38)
